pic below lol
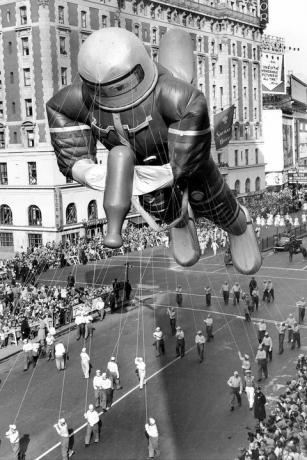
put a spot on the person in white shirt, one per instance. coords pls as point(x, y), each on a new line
point(92, 418)
point(209, 327)
point(60, 356)
point(62, 430)
point(97, 385)
point(13, 436)
point(49, 346)
point(80, 323)
point(153, 438)
point(112, 370)
point(236, 387)
point(27, 353)
point(89, 328)
point(159, 341)
point(200, 344)
point(85, 363)
point(100, 308)
point(107, 392)
point(140, 370)
point(35, 352)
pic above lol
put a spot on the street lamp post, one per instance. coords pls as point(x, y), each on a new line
point(127, 266)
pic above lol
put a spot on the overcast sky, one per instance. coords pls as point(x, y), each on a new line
point(288, 19)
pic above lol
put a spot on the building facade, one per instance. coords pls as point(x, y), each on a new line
point(39, 44)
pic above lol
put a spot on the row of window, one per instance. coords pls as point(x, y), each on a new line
point(7, 239)
point(32, 172)
point(35, 214)
point(246, 157)
point(247, 187)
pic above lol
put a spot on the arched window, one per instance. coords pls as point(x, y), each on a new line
point(6, 216)
point(92, 210)
point(34, 215)
point(247, 186)
point(237, 186)
point(71, 214)
point(257, 184)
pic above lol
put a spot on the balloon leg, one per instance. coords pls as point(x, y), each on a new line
point(118, 193)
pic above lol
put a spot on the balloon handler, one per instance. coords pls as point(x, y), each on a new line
point(155, 125)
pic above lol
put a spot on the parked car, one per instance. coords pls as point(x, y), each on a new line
point(282, 243)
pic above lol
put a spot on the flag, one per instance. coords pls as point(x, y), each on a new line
point(223, 127)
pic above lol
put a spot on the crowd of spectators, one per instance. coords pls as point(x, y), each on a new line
point(283, 434)
point(274, 203)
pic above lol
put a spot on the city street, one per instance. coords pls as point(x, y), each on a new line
point(189, 400)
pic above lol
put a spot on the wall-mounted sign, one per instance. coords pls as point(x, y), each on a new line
point(273, 73)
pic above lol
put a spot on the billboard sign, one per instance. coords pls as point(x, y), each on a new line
point(223, 127)
point(264, 13)
point(273, 73)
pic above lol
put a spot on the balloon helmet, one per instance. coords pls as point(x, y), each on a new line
point(116, 69)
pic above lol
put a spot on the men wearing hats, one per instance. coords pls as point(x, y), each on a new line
point(249, 387)
point(236, 387)
point(13, 436)
point(62, 430)
point(267, 344)
point(85, 363)
point(159, 341)
point(60, 356)
point(180, 342)
point(208, 296)
point(225, 292)
point(281, 337)
point(261, 360)
point(113, 372)
point(200, 345)
point(290, 323)
point(92, 418)
point(296, 336)
point(301, 305)
point(259, 405)
point(107, 392)
point(179, 296)
point(261, 330)
point(209, 327)
point(246, 365)
point(140, 370)
point(153, 438)
point(27, 354)
point(97, 385)
point(236, 292)
point(172, 319)
point(50, 346)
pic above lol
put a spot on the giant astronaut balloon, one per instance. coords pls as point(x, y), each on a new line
point(155, 125)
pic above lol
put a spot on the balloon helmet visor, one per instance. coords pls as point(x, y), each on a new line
point(116, 69)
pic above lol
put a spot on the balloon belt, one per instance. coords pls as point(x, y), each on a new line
point(152, 223)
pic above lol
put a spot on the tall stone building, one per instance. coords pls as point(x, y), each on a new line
point(39, 43)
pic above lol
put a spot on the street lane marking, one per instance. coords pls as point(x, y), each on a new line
point(125, 395)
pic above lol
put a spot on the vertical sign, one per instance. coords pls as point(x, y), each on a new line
point(58, 207)
point(264, 13)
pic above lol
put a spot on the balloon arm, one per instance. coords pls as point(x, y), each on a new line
point(146, 178)
point(146, 216)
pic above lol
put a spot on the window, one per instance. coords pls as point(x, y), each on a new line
point(234, 49)
point(92, 210)
point(244, 71)
point(3, 174)
point(244, 92)
point(35, 240)
point(256, 156)
point(245, 113)
point(64, 76)
point(247, 186)
point(199, 44)
point(137, 30)
point(213, 47)
point(104, 22)
point(255, 113)
point(255, 94)
point(254, 53)
point(11, 77)
point(154, 36)
point(235, 112)
point(213, 69)
point(61, 14)
point(8, 16)
point(27, 77)
point(221, 96)
point(236, 157)
point(25, 46)
point(29, 107)
point(6, 239)
point(15, 137)
point(237, 133)
point(214, 91)
point(255, 72)
point(83, 19)
point(10, 47)
point(13, 107)
point(246, 157)
point(220, 47)
point(6, 216)
point(258, 184)
point(23, 15)
point(32, 172)
point(256, 132)
point(63, 45)
point(34, 216)
point(237, 186)
point(244, 51)
point(30, 137)
point(1, 109)
point(234, 70)
point(234, 92)
point(71, 214)
point(221, 69)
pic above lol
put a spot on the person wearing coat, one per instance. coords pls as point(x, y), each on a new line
point(259, 405)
